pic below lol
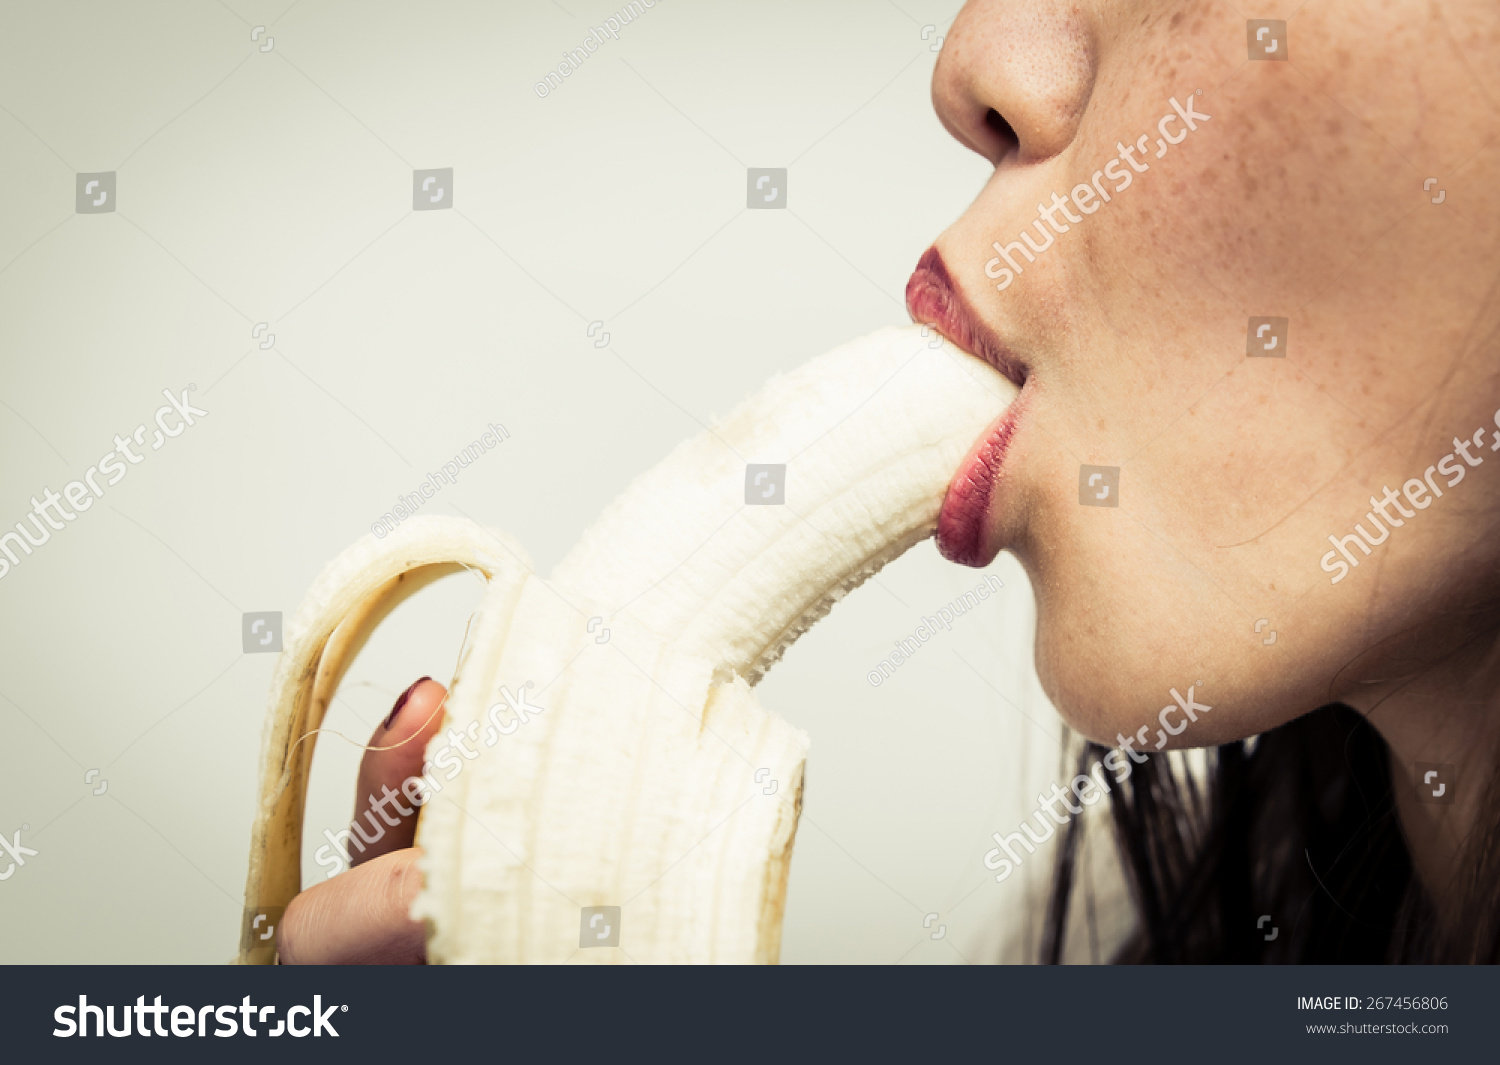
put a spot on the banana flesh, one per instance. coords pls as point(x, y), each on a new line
point(627, 797)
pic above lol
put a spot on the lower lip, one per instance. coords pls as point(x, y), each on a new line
point(964, 516)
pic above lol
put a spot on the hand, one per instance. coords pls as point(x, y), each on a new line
point(360, 917)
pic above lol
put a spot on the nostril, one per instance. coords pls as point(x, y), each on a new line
point(1009, 142)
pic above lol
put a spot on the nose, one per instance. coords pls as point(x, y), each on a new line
point(1015, 76)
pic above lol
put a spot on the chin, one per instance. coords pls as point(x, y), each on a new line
point(1157, 690)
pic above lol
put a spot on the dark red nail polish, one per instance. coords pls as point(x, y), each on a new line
point(402, 701)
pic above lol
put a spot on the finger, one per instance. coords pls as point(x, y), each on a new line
point(358, 918)
point(385, 817)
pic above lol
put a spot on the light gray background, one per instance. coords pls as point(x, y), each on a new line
point(277, 187)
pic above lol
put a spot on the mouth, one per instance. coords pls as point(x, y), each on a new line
point(932, 297)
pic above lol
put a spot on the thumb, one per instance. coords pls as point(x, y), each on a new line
point(385, 816)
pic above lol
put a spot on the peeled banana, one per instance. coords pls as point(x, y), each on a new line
point(627, 798)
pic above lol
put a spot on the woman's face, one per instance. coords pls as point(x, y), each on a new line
point(1286, 209)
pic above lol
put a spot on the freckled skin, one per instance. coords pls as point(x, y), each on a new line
point(1300, 198)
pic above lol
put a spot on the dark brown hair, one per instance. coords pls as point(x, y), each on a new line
point(1299, 825)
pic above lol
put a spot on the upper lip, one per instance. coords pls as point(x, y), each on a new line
point(933, 297)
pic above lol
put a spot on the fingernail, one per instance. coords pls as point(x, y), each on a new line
point(402, 702)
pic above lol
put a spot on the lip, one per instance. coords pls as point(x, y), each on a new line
point(933, 297)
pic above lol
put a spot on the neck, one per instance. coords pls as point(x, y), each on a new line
point(1442, 726)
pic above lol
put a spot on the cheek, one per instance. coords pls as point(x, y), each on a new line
point(1266, 202)
point(1265, 225)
